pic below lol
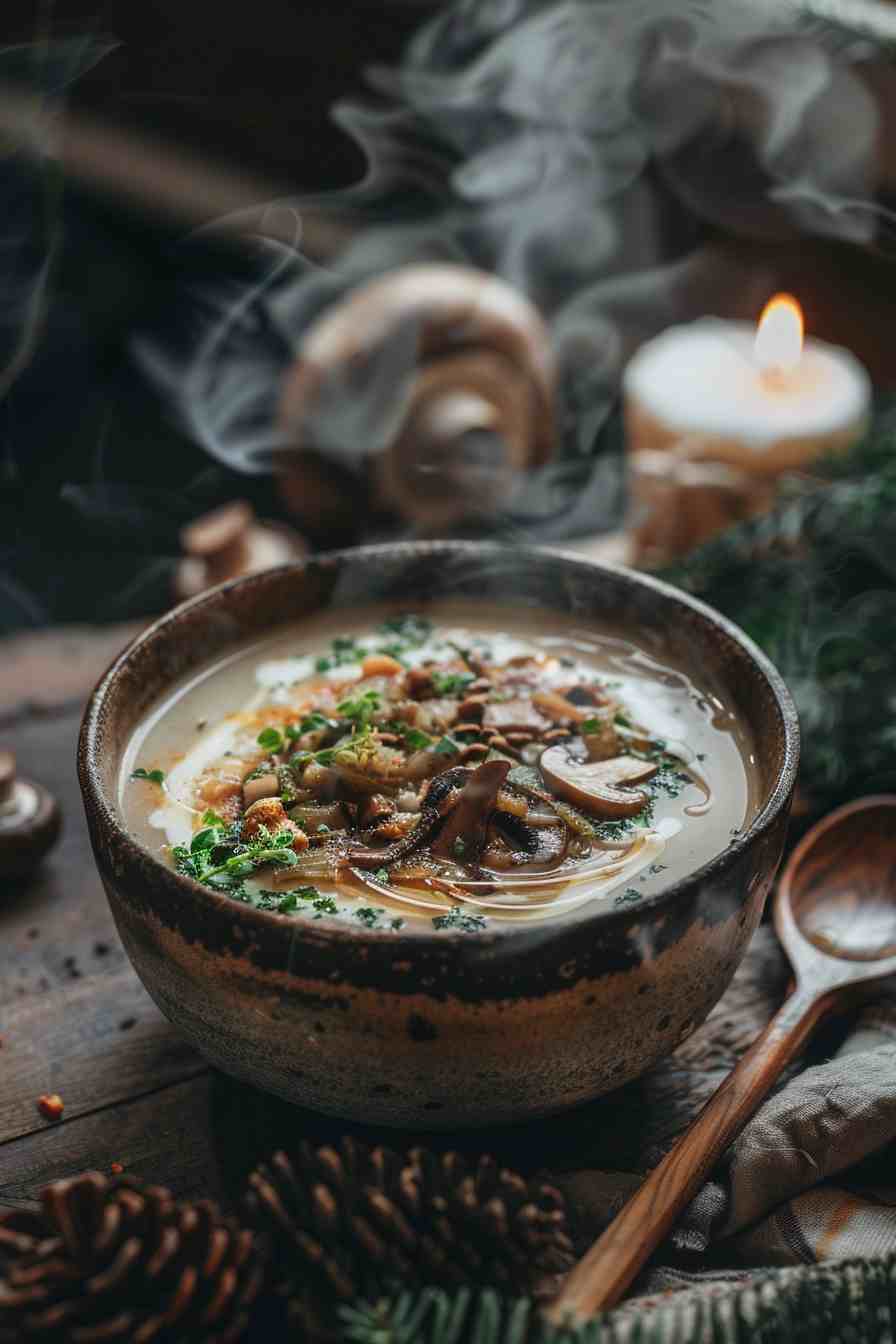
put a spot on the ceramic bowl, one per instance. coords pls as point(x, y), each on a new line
point(426, 1029)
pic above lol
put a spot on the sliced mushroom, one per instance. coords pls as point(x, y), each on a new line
point(558, 709)
point(462, 838)
point(602, 788)
point(440, 794)
point(530, 844)
point(260, 786)
point(518, 715)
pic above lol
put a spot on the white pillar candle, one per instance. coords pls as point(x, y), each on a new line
point(716, 410)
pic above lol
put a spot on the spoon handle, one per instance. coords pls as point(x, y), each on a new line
point(603, 1274)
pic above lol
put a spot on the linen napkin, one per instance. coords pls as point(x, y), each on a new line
point(811, 1178)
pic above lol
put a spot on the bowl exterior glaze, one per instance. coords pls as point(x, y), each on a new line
point(422, 1029)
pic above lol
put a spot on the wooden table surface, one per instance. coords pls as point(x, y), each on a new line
point(74, 1018)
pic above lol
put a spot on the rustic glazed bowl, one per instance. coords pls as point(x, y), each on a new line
point(418, 1028)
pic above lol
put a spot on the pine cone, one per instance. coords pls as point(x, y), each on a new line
point(349, 1221)
point(120, 1261)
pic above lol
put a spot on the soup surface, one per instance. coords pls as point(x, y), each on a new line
point(467, 766)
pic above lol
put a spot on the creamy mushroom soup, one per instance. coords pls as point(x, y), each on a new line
point(463, 766)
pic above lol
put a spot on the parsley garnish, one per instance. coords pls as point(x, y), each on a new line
point(446, 746)
point(362, 709)
point(271, 739)
point(343, 650)
point(591, 726)
point(457, 919)
point(218, 858)
point(302, 758)
point(382, 874)
point(459, 847)
point(288, 903)
point(153, 776)
point(369, 915)
point(312, 723)
point(450, 683)
point(410, 630)
point(630, 895)
point(414, 738)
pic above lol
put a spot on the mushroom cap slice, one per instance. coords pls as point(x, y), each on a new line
point(602, 788)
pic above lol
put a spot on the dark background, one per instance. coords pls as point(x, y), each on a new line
point(95, 479)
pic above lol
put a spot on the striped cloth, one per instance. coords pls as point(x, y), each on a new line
point(811, 1179)
point(813, 1176)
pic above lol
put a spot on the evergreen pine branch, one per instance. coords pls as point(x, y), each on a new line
point(848, 1300)
point(814, 584)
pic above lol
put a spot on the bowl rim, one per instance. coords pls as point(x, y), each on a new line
point(334, 930)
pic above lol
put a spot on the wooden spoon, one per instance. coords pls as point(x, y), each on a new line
point(835, 914)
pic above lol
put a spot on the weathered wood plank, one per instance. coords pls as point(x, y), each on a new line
point(100, 1041)
point(55, 927)
point(162, 1137)
point(44, 669)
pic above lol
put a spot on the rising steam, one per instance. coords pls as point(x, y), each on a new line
point(584, 152)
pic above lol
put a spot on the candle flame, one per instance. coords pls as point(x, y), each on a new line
point(779, 335)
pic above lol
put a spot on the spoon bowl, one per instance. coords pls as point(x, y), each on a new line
point(837, 894)
point(835, 914)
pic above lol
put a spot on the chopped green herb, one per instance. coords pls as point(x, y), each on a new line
point(628, 897)
point(211, 818)
point(343, 650)
point(322, 829)
point(410, 630)
point(446, 746)
point(271, 739)
point(457, 919)
point(302, 758)
point(362, 709)
point(450, 683)
point(397, 924)
point(591, 726)
point(459, 847)
point(701, 755)
point(369, 915)
point(311, 723)
point(657, 868)
point(290, 902)
point(207, 838)
point(217, 857)
point(152, 776)
point(382, 874)
point(414, 739)
point(622, 720)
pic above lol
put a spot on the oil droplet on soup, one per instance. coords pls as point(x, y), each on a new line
point(462, 767)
